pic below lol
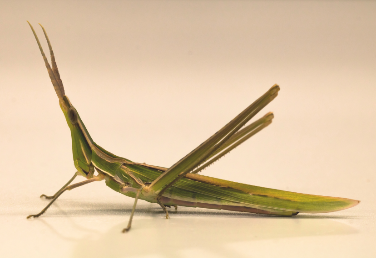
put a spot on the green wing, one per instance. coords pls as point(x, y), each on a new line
point(277, 199)
point(203, 191)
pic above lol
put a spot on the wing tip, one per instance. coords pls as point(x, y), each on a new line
point(352, 203)
point(348, 203)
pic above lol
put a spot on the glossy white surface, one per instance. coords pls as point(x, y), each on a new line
point(77, 227)
point(152, 80)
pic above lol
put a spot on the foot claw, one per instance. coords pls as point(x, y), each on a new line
point(125, 230)
point(43, 196)
point(30, 217)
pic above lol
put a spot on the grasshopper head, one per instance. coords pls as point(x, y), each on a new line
point(81, 140)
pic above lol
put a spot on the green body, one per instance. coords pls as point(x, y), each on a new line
point(179, 184)
point(209, 192)
point(200, 191)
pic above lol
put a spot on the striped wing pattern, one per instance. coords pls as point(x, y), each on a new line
point(203, 189)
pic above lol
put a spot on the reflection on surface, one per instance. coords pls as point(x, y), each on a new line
point(70, 220)
point(194, 231)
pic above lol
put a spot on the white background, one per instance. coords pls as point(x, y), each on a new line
point(152, 80)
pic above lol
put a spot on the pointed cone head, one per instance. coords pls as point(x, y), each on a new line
point(81, 140)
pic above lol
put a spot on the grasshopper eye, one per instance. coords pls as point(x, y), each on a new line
point(72, 114)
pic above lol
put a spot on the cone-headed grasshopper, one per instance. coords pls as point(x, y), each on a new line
point(180, 184)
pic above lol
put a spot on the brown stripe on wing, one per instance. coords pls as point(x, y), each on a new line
point(171, 202)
